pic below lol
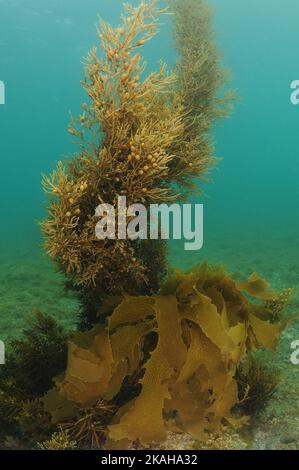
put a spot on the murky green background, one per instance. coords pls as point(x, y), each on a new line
point(251, 209)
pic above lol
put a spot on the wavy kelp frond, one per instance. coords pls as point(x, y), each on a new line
point(137, 138)
point(182, 353)
point(257, 287)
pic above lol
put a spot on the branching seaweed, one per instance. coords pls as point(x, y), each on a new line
point(38, 356)
point(256, 384)
point(140, 136)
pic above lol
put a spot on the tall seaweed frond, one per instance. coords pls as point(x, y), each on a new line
point(141, 135)
point(200, 78)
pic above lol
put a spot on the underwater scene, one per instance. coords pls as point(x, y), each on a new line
point(149, 248)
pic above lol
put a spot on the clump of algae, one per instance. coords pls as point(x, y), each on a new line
point(143, 136)
point(179, 352)
point(156, 356)
point(59, 441)
point(256, 384)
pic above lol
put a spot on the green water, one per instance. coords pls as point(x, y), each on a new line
point(255, 189)
point(251, 208)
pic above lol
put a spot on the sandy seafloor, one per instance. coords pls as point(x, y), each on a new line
point(28, 282)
